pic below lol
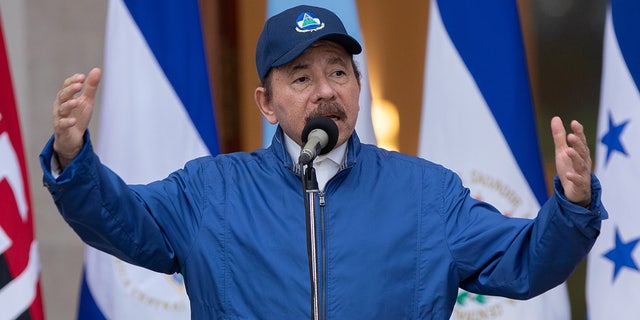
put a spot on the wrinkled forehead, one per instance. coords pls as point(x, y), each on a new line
point(323, 51)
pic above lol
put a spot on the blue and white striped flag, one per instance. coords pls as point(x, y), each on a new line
point(347, 11)
point(478, 120)
point(613, 268)
point(156, 114)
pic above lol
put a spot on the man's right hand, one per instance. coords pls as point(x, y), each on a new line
point(72, 113)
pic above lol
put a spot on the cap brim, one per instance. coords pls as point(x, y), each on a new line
point(350, 44)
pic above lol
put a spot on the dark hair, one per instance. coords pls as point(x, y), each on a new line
point(266, 83)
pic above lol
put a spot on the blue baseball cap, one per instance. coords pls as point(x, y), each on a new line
point(287, 34)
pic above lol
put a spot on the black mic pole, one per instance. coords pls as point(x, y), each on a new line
point(322, 135)
point(310, 189)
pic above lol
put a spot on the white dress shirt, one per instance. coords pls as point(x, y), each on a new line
point(326, 165)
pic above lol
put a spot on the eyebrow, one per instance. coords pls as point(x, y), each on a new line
point(330, 60)
point(337, 60)
point(296, 67)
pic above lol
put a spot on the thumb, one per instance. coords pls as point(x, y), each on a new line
point(91, 84)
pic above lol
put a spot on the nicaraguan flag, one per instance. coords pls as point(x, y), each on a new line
point(348, 13)
point(613, 274)
point(478, 120)
point(20, 296)
point(156, 114)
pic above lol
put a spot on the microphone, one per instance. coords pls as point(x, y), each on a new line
point(319, 136)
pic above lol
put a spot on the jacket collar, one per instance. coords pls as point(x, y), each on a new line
point(279, 149)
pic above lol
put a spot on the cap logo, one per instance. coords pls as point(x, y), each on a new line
point(308, 22)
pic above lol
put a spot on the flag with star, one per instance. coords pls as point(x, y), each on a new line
point(476, 67)
point(613, 269)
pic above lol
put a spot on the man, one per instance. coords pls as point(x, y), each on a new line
point(397, 235)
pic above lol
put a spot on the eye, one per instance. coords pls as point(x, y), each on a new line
point(339, 73)
point(301, 80)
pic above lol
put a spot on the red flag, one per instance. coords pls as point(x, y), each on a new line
point(19, 262)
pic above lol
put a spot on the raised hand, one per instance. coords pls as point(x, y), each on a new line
point(573, 161)
point(72, 111)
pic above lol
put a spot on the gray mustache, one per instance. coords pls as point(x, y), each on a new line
point(325, 109)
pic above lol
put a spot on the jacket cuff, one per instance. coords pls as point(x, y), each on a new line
point(595, 208)
point(53, 181)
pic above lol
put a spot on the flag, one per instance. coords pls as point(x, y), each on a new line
point(347, 11)
point(478, 120)
point(156, 114)
point(20, 296)
point(613, 274)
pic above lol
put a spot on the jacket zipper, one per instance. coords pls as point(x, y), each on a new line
point(323, 308)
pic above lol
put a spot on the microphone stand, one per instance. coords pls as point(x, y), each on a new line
point(310, 189)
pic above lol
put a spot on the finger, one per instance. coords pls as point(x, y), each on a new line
point(579, 164)
point(579, 141)
point(77, 77)
point(581, 190)
point(559, 134)
point(68, 92)
point(578, 130)
point(65, 108)
point(580, 146)
point(91, 85)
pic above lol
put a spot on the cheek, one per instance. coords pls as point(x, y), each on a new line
point(353, 106)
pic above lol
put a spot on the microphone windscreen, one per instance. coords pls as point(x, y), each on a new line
point(325, 124)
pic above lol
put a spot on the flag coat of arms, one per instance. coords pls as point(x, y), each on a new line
point(156, 114)
point(20, 296)
point(613, 268)
point(478, 120)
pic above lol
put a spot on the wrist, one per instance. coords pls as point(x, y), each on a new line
point(63, 161)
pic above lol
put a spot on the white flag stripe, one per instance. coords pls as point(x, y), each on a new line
point(459, 131)
point(5, 241)
point(159, 119)
point(18, 295)
point(145, 133)
point(10, 170)
point(472, 144)
point(613, 288)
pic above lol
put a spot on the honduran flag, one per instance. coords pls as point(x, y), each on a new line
point(20, 296)
point(156, 114)
point(347, 11)
point(613, 268)
point(478, 120)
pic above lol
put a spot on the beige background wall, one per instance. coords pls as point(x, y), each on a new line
point(48, 40)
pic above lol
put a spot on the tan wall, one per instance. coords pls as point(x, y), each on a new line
point(47, 41)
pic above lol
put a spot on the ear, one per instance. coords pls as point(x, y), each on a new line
point(264, 105)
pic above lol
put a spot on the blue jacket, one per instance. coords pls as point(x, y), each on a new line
point(397, 234)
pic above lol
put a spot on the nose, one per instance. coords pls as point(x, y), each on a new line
point(324, 90)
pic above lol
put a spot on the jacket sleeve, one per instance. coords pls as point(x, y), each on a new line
point(514, 257)
point(113, 217)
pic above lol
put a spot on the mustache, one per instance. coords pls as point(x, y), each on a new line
point(329, 109)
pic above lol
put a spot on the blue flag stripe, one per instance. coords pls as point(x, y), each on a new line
point(487, 35)
point(627, 28)
point(87, 307)
point(173, 31)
